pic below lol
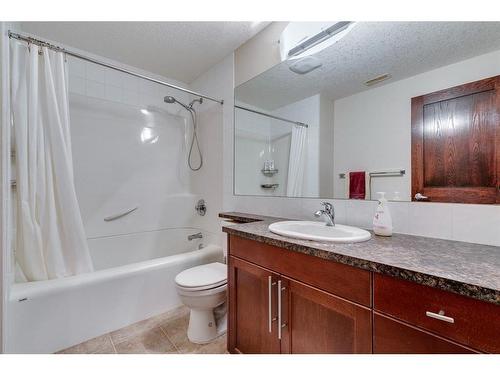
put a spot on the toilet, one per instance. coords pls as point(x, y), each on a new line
point(203, 289)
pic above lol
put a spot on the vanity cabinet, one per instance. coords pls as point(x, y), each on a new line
point(272, 311)
point(284, 301)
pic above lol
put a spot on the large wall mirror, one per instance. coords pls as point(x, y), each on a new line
point(406, 108)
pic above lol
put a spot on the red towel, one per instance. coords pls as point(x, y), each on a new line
point(357, 187)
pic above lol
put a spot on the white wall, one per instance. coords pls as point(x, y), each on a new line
point(6, 229)
point(210, 181)
point(4, 167)
point(259, 53)
point(326, 147)
point(372, 129)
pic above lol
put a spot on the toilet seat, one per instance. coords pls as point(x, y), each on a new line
point(202, 278)
point(189, 292)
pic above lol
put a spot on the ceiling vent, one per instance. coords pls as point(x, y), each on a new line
point(377, 79)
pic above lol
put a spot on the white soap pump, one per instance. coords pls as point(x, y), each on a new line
point(382, 221)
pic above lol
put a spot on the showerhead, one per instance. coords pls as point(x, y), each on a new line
point(171, 100)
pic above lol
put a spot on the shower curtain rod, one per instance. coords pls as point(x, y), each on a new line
point(272, 116)
point(42, 43)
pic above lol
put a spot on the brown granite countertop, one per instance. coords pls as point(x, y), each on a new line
point(468, 269)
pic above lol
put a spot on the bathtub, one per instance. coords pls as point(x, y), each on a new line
point(133, 280)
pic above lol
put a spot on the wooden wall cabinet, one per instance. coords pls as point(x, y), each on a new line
point(455, 144)
point(279, 302)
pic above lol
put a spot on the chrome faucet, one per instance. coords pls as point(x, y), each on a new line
point(328, 212)
point(195, 236)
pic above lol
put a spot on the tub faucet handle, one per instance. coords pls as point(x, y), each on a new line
point(201, 207)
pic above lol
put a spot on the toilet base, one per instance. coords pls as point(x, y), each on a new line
point(203, 327)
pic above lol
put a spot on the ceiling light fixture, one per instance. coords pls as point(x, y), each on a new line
point(327, 33)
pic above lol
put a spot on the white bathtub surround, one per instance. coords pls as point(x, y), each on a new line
point(129, 150)
point(297, 161)
point(117, 294)
point(50, 239)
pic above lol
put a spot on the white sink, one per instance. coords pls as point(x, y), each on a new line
point(319, 231)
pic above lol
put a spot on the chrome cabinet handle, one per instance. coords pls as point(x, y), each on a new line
point(270, 302)
point(280, 320)
point(420, 197)
point(440, 316)
point(121, 214)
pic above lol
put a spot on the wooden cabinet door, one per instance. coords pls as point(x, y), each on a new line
point(318, 322)
point(252, 309)
point(456, 143)
point(393, 337)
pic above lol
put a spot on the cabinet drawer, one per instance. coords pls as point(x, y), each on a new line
point(345, 281)
point(392, 337)
point(468, 321)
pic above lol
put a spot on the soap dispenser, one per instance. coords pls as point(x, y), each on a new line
point(382, 222)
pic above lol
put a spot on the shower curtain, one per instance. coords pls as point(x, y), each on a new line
point(50, 238)
point(296, 163)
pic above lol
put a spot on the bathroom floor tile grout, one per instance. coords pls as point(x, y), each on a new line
point(112, 344)
point(129, 334)
point(169, 339)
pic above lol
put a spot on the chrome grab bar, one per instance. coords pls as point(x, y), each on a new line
point(121, 214)
point(440, 316)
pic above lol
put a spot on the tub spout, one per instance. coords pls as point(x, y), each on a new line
point(195, 236)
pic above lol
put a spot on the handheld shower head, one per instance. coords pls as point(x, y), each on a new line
point(194, 138)
point(171, 100)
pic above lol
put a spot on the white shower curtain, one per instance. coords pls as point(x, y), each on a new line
point(296, 163)
point(50, 238)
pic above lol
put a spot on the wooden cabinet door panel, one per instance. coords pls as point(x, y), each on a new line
point(393, 337)
point(319, 322)
point(456, 143)
point(249, 309)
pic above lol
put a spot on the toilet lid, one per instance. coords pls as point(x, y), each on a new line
point(207, 276)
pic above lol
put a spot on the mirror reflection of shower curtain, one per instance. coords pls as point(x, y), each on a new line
point(297, 160)
point(50, 237)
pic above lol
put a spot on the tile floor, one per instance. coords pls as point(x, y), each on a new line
point(163, 334)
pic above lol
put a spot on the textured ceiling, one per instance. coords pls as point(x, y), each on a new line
point(178, 50)
point(401, 49)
